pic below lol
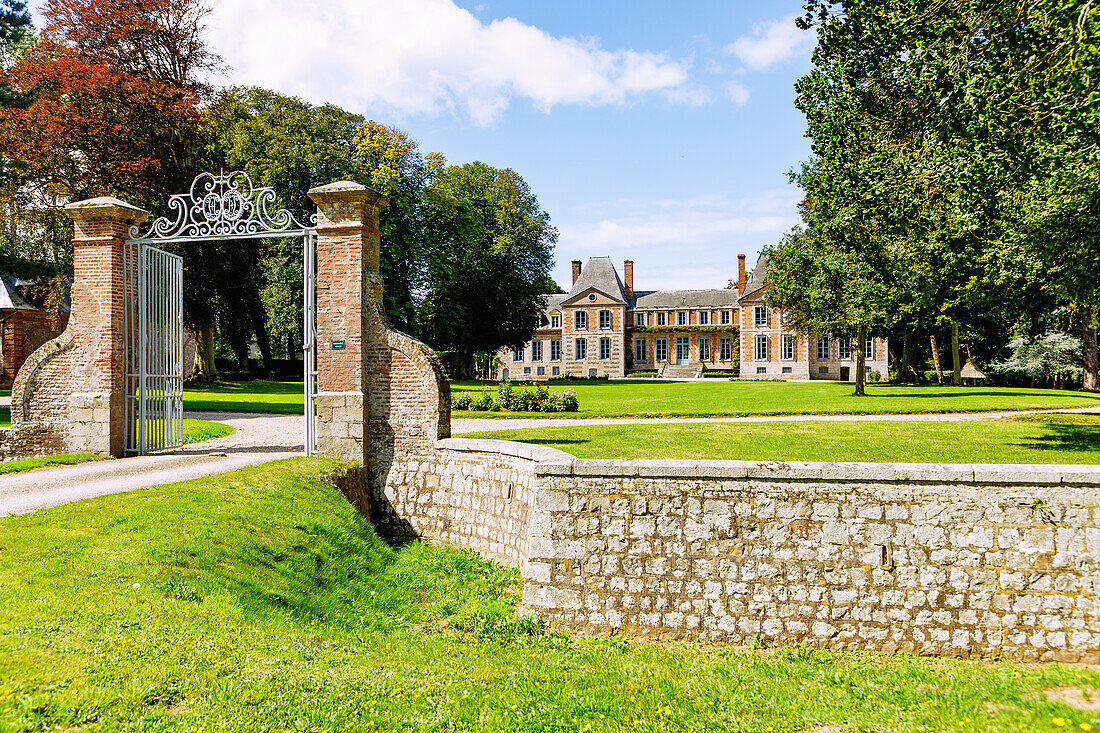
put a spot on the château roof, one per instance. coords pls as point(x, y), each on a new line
point(18, 293)
point(723, 298)
point(757, 277)
point(599, 274)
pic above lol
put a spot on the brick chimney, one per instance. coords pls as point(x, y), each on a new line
point(741, 277)
point(628, 278)
point(576, 270)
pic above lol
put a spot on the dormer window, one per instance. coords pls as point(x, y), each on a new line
point(639, 319)
point(660, 318)
point(681, 318)
point(555, 321)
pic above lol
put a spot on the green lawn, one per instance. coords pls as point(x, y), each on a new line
point(721, 397)
point(259, 395)
point(260, 601)
point(1030, 439)
point(194, 431)
point(658, 398)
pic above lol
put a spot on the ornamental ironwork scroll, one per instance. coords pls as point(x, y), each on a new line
point(222, 206)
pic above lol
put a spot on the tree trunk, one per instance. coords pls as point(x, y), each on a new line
point(1091, 381)
point(956, 365)
point(205, 368)
point(861, 361)
point(259, 325)
point(907, 372)
point(936, 358)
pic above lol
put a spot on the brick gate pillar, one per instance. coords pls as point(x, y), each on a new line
point(348, 284)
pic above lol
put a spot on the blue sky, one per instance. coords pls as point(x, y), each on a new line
point(657, 131)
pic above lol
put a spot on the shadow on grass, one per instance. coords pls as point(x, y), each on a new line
point(1064, 436)
point(969, 393)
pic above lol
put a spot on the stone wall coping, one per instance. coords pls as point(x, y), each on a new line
point(536, 453)
point(105, 207)
point(553, 462)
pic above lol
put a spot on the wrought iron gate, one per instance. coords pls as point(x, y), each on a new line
point(219, 207)
point(154, 348)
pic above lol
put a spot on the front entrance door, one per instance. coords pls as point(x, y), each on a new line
point(844, 372)
point(683, 350)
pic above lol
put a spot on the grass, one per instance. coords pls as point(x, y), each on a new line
point(657, 398)
point(259, 600)
point(194, 431)
point(259, 395)
point(724, 398)
point(1028, 439)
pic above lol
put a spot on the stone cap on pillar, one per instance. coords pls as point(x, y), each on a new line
point(345, 191)
point(105, 207)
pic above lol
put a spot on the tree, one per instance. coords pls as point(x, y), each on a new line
point(1053, 357)
point(288, 145)
point(491, 250)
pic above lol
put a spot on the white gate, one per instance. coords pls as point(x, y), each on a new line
point(154, 349)
point(219, 207)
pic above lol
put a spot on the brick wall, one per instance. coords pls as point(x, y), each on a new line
point(948, 560)
point(23, 332)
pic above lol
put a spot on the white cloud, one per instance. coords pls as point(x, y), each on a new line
point(425, 57)
point(678, 243)
point(738, 93)
point(771, 43)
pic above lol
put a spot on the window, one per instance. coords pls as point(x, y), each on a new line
point(555, 349)
point(580, 320)
point(787, 370)
point(788, 346)
point(844, 348)
point(660, 319)
point(542, 371)
point(526, 370)
point(556, 371)
point(605, 348)
point(760, 316)
point(639, 319)
point(724, 348)
point(823, 370)
point(580, 348)
point(536, 351)
point(823, 347)
point(704, 348)
point(517, 354)
point(639, 349)
point(761, 370)
point(681, 318)
point(761, 348)
point(704, 318)
point(660, 349)
point(725, 318)
point(605, 319)
point(555, 321)
point(869, 349)
point(592, 297)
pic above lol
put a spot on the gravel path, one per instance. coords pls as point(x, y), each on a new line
point(257, 439)
point(463, 425)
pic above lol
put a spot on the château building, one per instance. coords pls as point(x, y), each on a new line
point(603, 327)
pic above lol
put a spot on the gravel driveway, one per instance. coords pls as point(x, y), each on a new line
point(257, 439)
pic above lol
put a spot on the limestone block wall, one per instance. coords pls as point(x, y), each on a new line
point(946, 560)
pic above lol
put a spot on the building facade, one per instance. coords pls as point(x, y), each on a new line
point(603, 327)
point(26, 322)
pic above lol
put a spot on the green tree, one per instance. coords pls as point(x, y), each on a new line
point(491, 250)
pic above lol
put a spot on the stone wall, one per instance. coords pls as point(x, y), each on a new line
point(947, 560)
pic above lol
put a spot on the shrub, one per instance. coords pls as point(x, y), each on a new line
point(568, 400)
point(461, 401)
point(483, 402)
point(873, 376)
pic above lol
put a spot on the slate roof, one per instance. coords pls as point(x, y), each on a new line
point(757, 277)
point(600, 274)
point(13, 295)
point(551, 303)
point(723, 298)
